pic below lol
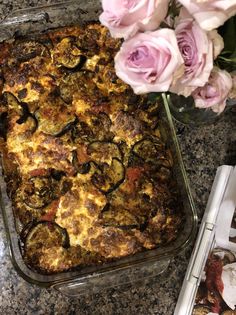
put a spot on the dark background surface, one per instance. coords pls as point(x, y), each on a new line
point(204, 148)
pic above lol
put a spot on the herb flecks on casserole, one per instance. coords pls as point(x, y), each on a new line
point(88, 174)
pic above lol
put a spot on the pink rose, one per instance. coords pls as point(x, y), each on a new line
point(125, 17)
point(198, 49)
point(215, 92)
point(210, 14)
point(150, 62)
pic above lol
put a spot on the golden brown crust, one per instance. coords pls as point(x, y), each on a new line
point(86, 169)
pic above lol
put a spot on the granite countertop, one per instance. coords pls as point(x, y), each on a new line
point(203, 148)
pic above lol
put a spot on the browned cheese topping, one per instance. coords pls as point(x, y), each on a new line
point(88, 174)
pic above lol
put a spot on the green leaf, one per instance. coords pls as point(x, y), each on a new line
point(228, 32)
point(227, 59)
point(230, 60)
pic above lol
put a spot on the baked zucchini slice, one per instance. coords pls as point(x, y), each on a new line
point(103, 152)
point(47, 234)
point(109, 177)
point(148, 149)
point(100, 123)
point(55, 119)
point(14, 106)
point(119, 218)
point(70, 83)
point(21, 110)
point(24, 51)
point(31, 123)
point(94, 127)
point(44, 246)
point(39, 191)
point(68, 55)
point(82, 168)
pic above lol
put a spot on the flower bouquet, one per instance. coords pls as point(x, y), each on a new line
point(185, 49)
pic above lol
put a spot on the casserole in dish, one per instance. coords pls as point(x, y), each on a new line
point(93, 172)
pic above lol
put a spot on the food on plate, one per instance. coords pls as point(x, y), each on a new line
point(217, 290)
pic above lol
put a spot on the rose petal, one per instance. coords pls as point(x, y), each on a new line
point(210, 14)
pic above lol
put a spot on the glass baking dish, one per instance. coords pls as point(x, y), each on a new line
point(125, 270)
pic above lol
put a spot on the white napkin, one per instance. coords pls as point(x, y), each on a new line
point(225, 215)
point(229, 280)
point(222, 234)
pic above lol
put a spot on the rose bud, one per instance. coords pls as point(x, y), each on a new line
point(215, 92)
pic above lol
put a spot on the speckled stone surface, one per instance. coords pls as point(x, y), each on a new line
point(204, 149)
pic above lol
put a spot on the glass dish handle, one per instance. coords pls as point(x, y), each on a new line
point(111, 279)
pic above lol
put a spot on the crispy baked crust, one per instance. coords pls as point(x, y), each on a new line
point(88, 174)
